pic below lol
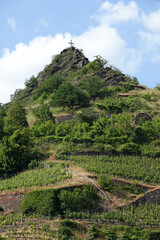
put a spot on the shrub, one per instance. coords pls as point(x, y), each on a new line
point(105, 182)
point(130, 149)
point(110, 234)
point(70, 224)
point(69, 96)
point(123, 236)
point(93, 232)
point(64, 233)
point(48, 86)
point(79, 199)
point(45, 203)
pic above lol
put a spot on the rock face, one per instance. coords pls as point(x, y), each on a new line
point(69, 60)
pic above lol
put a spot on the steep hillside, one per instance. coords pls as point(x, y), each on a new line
point(73, 66)
point(80, 142)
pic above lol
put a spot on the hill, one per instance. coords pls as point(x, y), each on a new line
point(80, 142)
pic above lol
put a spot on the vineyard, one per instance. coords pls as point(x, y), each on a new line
point(144, 215)
point(23, 227)
point(129, 167)
point(38, 177)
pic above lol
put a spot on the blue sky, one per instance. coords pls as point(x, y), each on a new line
point(126, 33)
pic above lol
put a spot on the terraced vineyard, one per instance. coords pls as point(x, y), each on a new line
point(48, 175)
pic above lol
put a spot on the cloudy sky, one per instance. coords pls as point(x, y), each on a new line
point(125, 32)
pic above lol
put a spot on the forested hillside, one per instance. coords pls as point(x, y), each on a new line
point(81, 141)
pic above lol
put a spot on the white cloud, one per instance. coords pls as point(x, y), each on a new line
point(12, 23)
point(105, 41)
point(27, 60)
point(152, 21)
point(150, 43)
point(119, 12)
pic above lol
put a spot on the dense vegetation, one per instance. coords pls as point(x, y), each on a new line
point(52, 202)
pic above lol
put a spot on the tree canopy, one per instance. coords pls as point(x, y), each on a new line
point(70, 96)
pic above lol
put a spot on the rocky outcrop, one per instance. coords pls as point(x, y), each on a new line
point(69, 60)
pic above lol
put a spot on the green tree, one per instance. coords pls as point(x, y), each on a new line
point(43, 113)
point(70, 96)
point(49, 86)
point(93, 85)
point(97, 64)
point(15, 119)
point(15, 151)
point(32, 82)
point(2, 115)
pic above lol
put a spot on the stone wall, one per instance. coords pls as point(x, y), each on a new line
point(11, 202)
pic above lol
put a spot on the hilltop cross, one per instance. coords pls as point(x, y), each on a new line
point(71, 43)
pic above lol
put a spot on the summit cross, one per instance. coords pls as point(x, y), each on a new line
point(71, 43)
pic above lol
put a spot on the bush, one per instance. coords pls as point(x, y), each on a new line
point(105, 182)
point(49, 86)
point(52, 202)
point(69, 96)
point(79, 199)
point(45, 203)
point(110, 234)
point(130, 149)
point(70, 224)
point(93, 232)
point(64, 233)
point(123, 236)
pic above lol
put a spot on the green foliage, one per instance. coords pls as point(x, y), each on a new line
point(16, 118)
point(40, 176)
point(70, 96)
point(124, 236)
point(63, 129)
point(70, 224)
point(79, 199)
point(118, 105)
point(64, 233)
point(54, 201)
point(87, 116)
point(43, 202)
point(15, 152)
point(157, 86)
point(93, 85)
point(97, 64)
point(2, 115)
point(43, 113)
point(110, 234)
point(16, 94)
point(49, 86)
point(32, 82)
point(105, 182)
point(133, 167)
point(46, 128)
point(130, 148)
point(42, 98)
point(93, 232)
